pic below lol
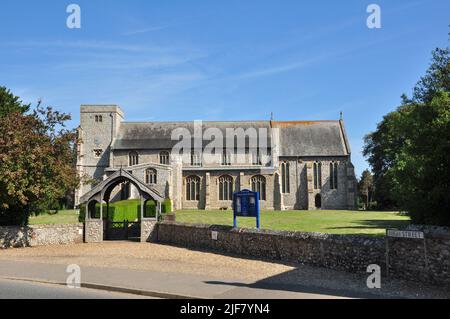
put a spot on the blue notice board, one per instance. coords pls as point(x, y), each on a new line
point(246, 204)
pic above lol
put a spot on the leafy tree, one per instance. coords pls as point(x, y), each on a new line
point(36, 163)
point(409, 150)
point(436, 79)
point(366, 188)
point(10, 103)
point(381, 148)
point(421, 173)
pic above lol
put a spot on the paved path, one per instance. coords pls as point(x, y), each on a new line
point(14, 289)
point(170, 272)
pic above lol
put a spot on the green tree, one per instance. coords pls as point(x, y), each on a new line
point(366, 188)
point(421, 173)
point(436, 79)
point(36, 163)
point(409, 150)
point(10, 103)
point(381, 148)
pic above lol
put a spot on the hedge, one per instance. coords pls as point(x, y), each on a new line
point(128, 210)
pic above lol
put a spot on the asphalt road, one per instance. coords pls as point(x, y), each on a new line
point(174, 272)
point(14, 289)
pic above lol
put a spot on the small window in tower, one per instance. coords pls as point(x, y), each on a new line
point(133, 158)
point(98, 118)
point(164, 158)
point(196, 158)
point(150, 176)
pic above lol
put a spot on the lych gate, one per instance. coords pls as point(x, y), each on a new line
point(98, 228)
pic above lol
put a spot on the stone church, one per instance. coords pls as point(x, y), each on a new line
point(309, 164)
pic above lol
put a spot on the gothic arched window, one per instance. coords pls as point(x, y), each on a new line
point(193, 188)
point(333, 175)
point(285, 180)
point(225, 187)
point(259, 185)
point(151, 176)
point(317, 175)
point(133, 158)
point(164, 158)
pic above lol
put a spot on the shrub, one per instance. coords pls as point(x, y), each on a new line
point(126, 210)
point(166, 206)
point(150, 209)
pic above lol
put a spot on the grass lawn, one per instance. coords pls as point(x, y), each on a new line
point(333, 222)
point(62, 217)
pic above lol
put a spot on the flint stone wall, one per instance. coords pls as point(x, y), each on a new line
point(94, 231)
point(351, 253)
point(41, 235)
point(148, 230)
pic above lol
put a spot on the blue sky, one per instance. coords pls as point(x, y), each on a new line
point(222, 60)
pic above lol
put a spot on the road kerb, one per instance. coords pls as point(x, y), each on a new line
point(133, 291)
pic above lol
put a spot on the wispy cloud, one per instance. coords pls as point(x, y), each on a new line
point(134, 62)
point(290, 66)
point(280, 68)
point(109, 56)
point(144, 30)
point(85, 45)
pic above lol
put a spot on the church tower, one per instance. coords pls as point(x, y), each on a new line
point(99, 125)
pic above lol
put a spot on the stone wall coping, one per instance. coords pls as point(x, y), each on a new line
point(408, 259)
point(367, 240)
point(432, 231)
point(429, 231)
point(78, 225)
point(44, 226)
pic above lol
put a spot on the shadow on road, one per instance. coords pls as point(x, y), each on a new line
point(295, 281)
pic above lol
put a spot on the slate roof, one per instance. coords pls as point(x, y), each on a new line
point(297, 138)
point(312, 138)
point(157, 135)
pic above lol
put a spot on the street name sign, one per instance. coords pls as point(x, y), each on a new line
point(405, 234)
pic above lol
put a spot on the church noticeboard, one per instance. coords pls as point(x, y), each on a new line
point(246, 204)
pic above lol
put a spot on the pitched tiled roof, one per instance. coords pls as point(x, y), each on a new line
point(157, 135)
point(312, 138)
point(297, 138)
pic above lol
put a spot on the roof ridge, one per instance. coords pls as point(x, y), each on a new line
point(306, 121)
point(165, 122)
